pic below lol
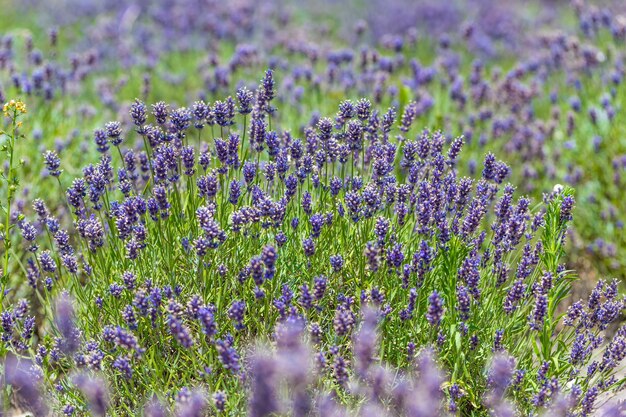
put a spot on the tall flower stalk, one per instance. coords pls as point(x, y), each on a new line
point(11, 110)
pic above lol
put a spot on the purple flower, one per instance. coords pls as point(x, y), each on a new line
point(263, 400)
point(497, 341)
point(188, 160)
point(154, 409)
point(372, 253)
point(455, 150)
point(317, 221)
point(306, 202)
point(428, 387)
point(200, 112)
point(47, 263)
point(536, 318)
point(25, 384)
point(589, 400)
point(269, 257)
point(435, 309)
point(500, 376)
point(223, 112)
point(53, 162)
point(336, 262)
point(365, 341)
point(395, 256)
point(180, 332)
point(227, 356)
point(514, 295)
point(122, 364)
point(121, 337)
point(566, 208)
point(463, 301)
point(235, 192)
point(306, 299)
point(344, 320)
point(219, 399)
point(244, 100)
point(206, 317)
point(65, 323)
point(319, 287)
point(194, 406)
point(180, 120)
point(160, 112)
point(114, 132)
point(339, 368)
point(309, 247)
point(94, 389)
point(363, 109)
point(236, 313)
point(137, 112)
point(266, 91)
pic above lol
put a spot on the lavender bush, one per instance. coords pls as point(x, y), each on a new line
point(342, 238)
point(193, 237)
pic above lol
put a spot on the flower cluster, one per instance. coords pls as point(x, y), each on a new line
point(371, 228)
point(353, 236)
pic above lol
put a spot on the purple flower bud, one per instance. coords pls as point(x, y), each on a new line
point(25, 384)
point(180, 332)
point(435, 309)
point(263, 400)
point(244, 100)
point(566, 208)
point(94, 389)
point(200, 112)
point(344, 320)
point(138, 113)
point(160, 112)
point(500, 375)
point(194, 406)
point(65, 323)
point(154, 409)
point(365, 342)
point(236, 313)
point(227, 356)
point(336, 262)
point(536, 318)
point(309, 247)
point(235, 192)
point(53, 162)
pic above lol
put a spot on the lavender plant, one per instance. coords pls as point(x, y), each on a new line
point(350, 246)
point(195, 236)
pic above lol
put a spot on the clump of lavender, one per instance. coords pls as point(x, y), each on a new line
point(359, 235)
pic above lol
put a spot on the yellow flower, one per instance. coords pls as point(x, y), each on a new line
point(14, 106)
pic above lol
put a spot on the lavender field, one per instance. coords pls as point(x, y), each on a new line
point(312, 208)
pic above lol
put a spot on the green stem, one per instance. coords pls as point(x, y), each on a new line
point(11, 190)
